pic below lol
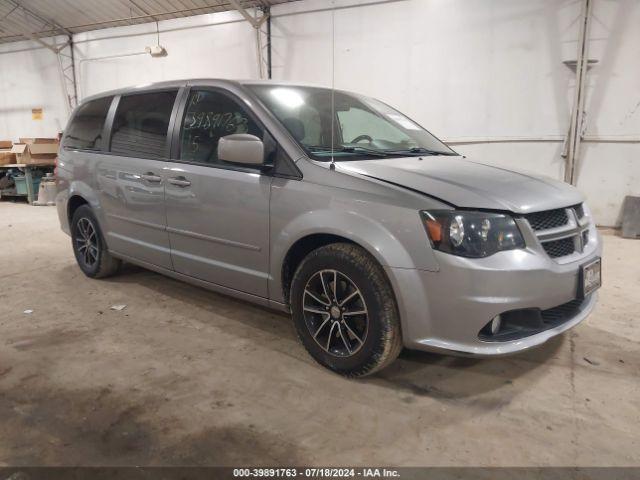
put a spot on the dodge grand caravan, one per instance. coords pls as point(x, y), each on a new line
point(329, 205)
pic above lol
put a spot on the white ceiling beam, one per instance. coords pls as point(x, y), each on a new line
point(255, 22)
point(37, 39)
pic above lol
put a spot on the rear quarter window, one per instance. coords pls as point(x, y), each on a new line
point(84, 132)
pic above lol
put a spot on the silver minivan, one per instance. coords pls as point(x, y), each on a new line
point(332, 206)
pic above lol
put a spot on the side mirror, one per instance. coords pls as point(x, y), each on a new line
point(241, 148)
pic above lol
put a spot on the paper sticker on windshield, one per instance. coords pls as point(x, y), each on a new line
point(403, 121)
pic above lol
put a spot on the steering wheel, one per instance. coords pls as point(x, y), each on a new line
point(359, 138)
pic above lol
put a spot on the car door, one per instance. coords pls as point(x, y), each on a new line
point(217, 213)
point(130, 176)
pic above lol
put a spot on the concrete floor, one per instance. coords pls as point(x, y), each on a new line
point(185, 376)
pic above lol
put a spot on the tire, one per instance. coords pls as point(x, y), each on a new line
point(90, 249)
point(350, 343)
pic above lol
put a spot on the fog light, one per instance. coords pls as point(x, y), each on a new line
point(495, 324)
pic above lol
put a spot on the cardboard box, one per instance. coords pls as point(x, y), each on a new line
point(36, 151)
point(7, 157)
point(31, 141)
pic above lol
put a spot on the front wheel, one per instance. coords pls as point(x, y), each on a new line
point(344, 310)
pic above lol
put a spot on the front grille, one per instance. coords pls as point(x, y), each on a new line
point(567, 223)
point(562, 312)
point(559, 248)
point(549, 219)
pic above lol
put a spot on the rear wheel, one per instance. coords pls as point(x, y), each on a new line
point(89, 246)
point(344, 310)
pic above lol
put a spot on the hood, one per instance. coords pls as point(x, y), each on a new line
point(469, 184)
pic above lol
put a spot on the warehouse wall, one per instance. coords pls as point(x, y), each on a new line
point(610, 170)
point(220, 45)
point(215, 45)
point(488, 75)
point(29, 79)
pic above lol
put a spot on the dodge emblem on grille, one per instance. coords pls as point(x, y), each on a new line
point(579, 241)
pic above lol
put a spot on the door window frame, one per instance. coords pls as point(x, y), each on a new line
point(173, 142)
point(176, 145)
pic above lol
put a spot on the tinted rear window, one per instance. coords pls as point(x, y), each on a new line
point(85, 130)
point(141, 124)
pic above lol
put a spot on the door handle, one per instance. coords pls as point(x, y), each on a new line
point(151, 178)
point(179, 181)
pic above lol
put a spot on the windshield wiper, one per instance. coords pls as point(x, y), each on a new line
point(364, 150)
point(361, 150)
point(421, 151)
point(318, 148)
point(348, 149)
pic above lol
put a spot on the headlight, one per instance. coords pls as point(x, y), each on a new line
point(471, 234)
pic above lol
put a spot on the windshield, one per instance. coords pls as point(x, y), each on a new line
point(359, 127)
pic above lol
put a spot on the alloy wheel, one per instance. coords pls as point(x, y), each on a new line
point(335, 313)
point(87, 242)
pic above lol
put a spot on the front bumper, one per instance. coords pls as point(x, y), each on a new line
point(445, 310)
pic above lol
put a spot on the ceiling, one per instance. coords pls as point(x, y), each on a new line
point(43, 18)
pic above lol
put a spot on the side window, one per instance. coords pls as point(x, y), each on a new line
point(85, 130)
point(141, 124)
point(210, 116)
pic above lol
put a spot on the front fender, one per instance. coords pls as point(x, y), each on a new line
point(393, 234)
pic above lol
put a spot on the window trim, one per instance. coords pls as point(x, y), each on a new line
point(175, 125)
point(104, 124)
point(114, 111)
point(179, 121)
